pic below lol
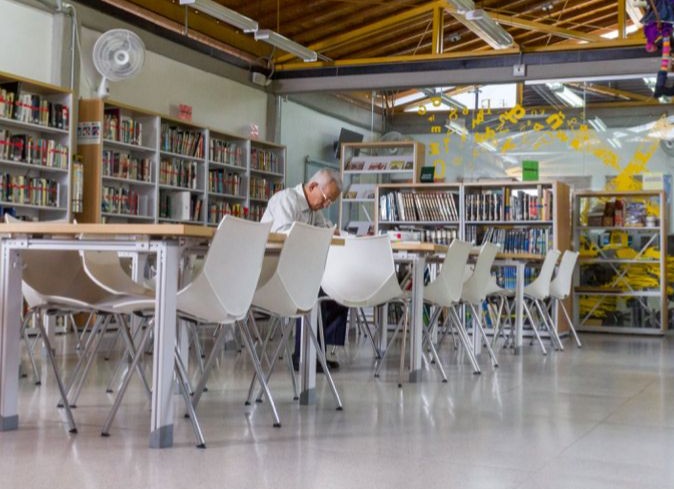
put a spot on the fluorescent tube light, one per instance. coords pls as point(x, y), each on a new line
point(597, 124)
point(288, 45)
point(457, 128)
point(487, 29)
point(223, 13)
point(565, 95)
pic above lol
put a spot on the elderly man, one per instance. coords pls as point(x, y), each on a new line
point(303, 203)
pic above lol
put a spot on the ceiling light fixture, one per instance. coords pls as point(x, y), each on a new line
point(288, 45)
point(565, 95)
point(223, 13)
point(487, 29)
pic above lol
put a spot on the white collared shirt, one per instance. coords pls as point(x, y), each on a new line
point(290, 205)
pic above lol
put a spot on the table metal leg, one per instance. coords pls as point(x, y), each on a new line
point(10, 311)
point(519, 310)
point(308, 360)
point(417, 319)
point(161, 428)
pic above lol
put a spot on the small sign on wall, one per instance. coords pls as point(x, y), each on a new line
point(89, 133)
point(529, 170)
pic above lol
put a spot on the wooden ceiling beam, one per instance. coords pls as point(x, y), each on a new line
point(541, 27)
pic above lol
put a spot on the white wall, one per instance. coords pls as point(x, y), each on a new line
point(307, 132)
point(216, 102)
point(26, 37)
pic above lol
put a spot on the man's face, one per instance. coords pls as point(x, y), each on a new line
point(320, 198)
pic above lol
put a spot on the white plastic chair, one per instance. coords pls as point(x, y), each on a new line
point(537, 292)
point(445, 292)
point(220, 294)
point(560, 287)
point(362, 274)
point(475, 291)
point(500, 308)
point(291, 291)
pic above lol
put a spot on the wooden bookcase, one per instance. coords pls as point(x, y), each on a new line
point(146, 167)
point(622, 239)
point(267, 175)
point(364, 166)
point(36, 132)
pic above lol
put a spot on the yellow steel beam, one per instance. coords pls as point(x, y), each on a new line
point(603, 44)
point(540, 27)
point(438, 30)
point(621, 18)
point(355, 34)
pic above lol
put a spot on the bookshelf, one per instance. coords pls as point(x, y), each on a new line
point(145, 167)
point(622, 239)
point(36, 135)
point(430, 212)
point(120, 166)
point(366, 165)
point(524, 218)
point(267, 175)
point(228, 174)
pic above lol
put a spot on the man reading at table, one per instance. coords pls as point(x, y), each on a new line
point(304, 203)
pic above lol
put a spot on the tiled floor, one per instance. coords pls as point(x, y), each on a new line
point(600, 417)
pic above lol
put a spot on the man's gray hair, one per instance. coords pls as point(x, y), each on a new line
point(325, 176)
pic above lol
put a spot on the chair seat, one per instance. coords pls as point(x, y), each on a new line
point(388, 291)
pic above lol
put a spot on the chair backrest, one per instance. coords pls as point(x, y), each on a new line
point(293, 287)
point(560, 287)
point(475, 287)
point(540, 287)
point(448, 284)
point(233, 262)
point(104, 268)
point(357, 271)
point(302, 262)
point(58, 273)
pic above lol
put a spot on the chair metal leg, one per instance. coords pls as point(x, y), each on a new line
point(72, 427)
point(533, 327)
point(125, 383)
point(275, 356)
point(198, 349)
point(428, 338)
point(215, 351)
point(248, 340)
point(130, 347)
point(184, 385)
point(549, 325)
point(321, 358)
point(403, 349)
point(568, 319)
point(465, 340)
point(479, 329)
point(388, 348)
point(30, 348)
point(368, 333)
point(91, 354)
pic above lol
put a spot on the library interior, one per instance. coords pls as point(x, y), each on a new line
point(336, 244)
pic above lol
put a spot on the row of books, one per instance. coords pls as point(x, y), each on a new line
point(181, 206)
point(506, 277)
point(31, 107)
point(422, 206)
point(219, 209)
point(122, 165)
point(77, 192)
point(226, 152)
point(188, 142)
point(509, 205)
point(379, 163)
point(179, 173)
point(21, 189)
point(230, 183)
point(264, 160)
point(119, 127)
point(255, 211)
point(34, 150)
point(124, 200)
point(534, 240)
point(263, 188)
point(441, 236)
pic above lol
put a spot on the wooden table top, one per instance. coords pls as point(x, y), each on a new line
point(145, 230)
